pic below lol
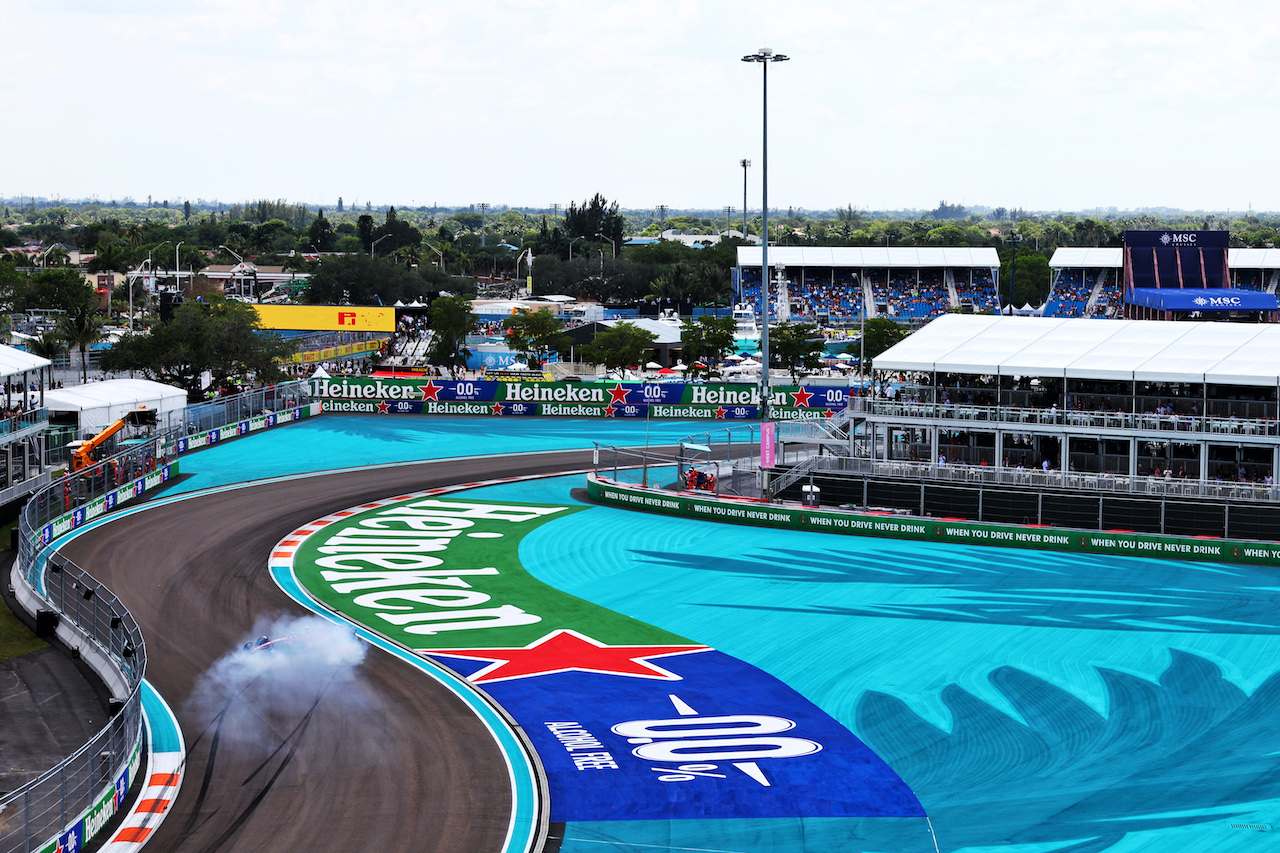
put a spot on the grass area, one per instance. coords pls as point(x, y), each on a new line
point(16, 639)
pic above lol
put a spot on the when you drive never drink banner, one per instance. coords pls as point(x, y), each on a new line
point(497, 398)
point(631, 721)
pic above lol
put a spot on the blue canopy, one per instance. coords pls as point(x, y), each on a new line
point(1201, 299)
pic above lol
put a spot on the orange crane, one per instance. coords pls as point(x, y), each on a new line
point(82, 452)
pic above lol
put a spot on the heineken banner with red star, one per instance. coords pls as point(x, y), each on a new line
point(630, 721)
point(495, 398)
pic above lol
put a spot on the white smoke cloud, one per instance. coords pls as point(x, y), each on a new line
point(260, 695)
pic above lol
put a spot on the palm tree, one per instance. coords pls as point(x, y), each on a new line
point(49, 345)
point(81, 329)
point(410, 256)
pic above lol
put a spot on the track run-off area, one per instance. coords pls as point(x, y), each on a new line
point(688, 685)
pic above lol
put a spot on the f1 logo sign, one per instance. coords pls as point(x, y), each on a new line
point(346, 318)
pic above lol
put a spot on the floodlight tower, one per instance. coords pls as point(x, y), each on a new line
point(764, 56)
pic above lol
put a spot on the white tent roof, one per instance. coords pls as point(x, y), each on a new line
point(1068, 257)
point(1074, 257)
point(15, 361)
point(1145, 350)
point(101, 403)
point(870, 257)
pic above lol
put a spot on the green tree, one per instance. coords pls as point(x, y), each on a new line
point(60, 289)
point(621, 345)
point(219, 336)
point(707, 340)
point(48, 345)
point(451, 320)
point(796, 348)
point(321, 234)
point(533, 333)
point(881, 333)
point(81, 328)
point(1032, 282)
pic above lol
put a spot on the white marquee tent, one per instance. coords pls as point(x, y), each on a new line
point(1139, 350)
point(100, 403)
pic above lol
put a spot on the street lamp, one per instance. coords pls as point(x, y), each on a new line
point(438, 252)
point(375, 243)
point(45, 254)
point(571, 242)
point(150, 268)
point(745, 164)
point(177, 266)
point(232, 253)
point(1015, 238)
point(764, 56)
point(611, 243)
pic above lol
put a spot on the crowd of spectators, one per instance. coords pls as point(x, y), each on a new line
point(904, 294)
point(913, 295)
point(980, 292)
point(1070, 295)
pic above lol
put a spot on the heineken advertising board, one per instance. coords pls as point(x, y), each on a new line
point(74, 838)
point(491, 397)
point(630, 721)
point(921, 529)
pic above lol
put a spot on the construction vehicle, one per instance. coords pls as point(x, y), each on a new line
point(85, 453)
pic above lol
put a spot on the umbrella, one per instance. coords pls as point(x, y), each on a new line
point(751, 362)
point(757, 353)
point(653, 365)
point(844, 356)
point(320, 373)
point(734, 357)
point(666, 371)
point(679, 367)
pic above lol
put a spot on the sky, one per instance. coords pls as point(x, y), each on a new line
point(529, 103)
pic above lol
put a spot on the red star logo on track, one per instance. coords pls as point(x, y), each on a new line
point(383, 407)
point(721, 412)
point(430, 391)
point(496, 409)
point(800, 398)
point(619, 394)
point(568, 651)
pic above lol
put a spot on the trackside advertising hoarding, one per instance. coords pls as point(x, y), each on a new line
point(74, 838)
point(928, 529)
point(327, 318)
point(491, 397)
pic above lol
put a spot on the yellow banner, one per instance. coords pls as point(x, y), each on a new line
point(327, 318)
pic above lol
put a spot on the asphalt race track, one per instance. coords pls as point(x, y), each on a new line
point(408, 767)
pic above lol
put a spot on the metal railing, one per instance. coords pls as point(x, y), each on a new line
point(1038, 478)
point(42, 809)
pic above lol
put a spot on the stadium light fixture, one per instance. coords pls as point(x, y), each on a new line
point(764, 56)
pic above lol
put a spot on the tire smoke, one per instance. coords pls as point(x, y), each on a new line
point(260, 694)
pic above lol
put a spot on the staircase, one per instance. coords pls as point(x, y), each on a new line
point(948, 278)
point(869, 298)
point(1097, 291)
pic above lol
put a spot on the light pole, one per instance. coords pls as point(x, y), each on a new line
point(375, 243)
point(571, 242)
point(239, 282)
point(151, 269)
point(45, 254)
point(764, 56)
point(438, 252)
point(177, 266)
point(484, 207)
point(1016, 239)
point(745, 164)
point(611, 243)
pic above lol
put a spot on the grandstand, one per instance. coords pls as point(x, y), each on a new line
point(830, 285)
point(1128, 424)
point(1088, 282)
